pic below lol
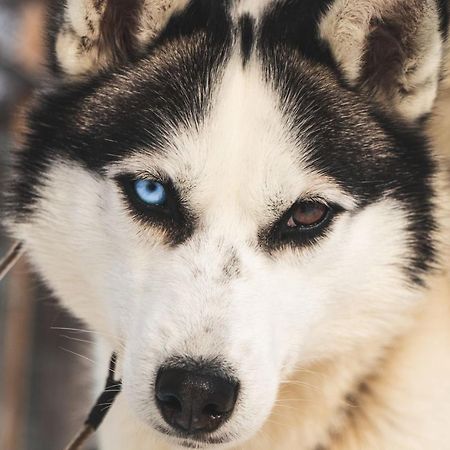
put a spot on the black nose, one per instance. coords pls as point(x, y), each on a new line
point(193, 401)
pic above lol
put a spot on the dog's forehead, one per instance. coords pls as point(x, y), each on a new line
point(260, 119)
point(246, 151)
point(233, 80)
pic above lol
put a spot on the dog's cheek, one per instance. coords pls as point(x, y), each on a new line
point(63, 244)
point(86, 247)
point(367, 290)
point(352, 287)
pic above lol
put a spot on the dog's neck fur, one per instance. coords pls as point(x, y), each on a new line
point(373, 399)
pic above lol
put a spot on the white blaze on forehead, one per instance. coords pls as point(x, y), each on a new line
point(254, 8)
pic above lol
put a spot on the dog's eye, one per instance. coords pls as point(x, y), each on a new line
point(156, 203)
point(150, 192)
point(307, 214)
point(304, 223)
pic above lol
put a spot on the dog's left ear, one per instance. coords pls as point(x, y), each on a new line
point(392, 50)
point(88, 36)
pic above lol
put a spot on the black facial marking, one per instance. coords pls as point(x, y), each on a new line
point(247, 31)
point(211, 17)
point(294, 24)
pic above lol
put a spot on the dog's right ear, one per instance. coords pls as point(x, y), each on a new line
point(390, 50)
point(87, 36)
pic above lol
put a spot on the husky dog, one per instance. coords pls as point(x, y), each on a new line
point(243, 199)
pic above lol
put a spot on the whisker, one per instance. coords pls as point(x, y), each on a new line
point(79, 355)
point(77, 339)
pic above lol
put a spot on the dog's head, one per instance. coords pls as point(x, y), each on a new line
point(230, 190)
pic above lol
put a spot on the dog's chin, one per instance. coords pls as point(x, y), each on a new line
point(202, 441)
point(204, 445)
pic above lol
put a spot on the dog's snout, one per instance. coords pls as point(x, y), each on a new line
point(193, 400)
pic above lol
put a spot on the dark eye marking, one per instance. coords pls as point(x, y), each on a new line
point(156, 202)
point(303, 224)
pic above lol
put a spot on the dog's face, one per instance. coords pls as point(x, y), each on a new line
point(238, 201)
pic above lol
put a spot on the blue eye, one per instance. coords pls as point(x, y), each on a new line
point(150, 192)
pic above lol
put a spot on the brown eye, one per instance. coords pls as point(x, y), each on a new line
point(307, 214)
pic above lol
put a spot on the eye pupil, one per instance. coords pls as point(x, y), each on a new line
point(307, 214)
point(150, 192)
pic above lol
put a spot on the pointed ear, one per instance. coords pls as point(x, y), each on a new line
point(87, 36)
point(391, 50)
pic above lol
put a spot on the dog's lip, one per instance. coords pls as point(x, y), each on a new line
point(194, 442)
point(190, 441)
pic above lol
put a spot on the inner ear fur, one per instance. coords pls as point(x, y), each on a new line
point(88, 36)
point(390, 49)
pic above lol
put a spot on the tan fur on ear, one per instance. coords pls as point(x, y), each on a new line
point(95, 34)
point(391, 49)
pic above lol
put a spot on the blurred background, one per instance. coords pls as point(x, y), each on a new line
point(44, 357)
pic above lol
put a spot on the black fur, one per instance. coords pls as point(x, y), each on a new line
point(293, 24)
point(247, 31)
point(207, 16)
